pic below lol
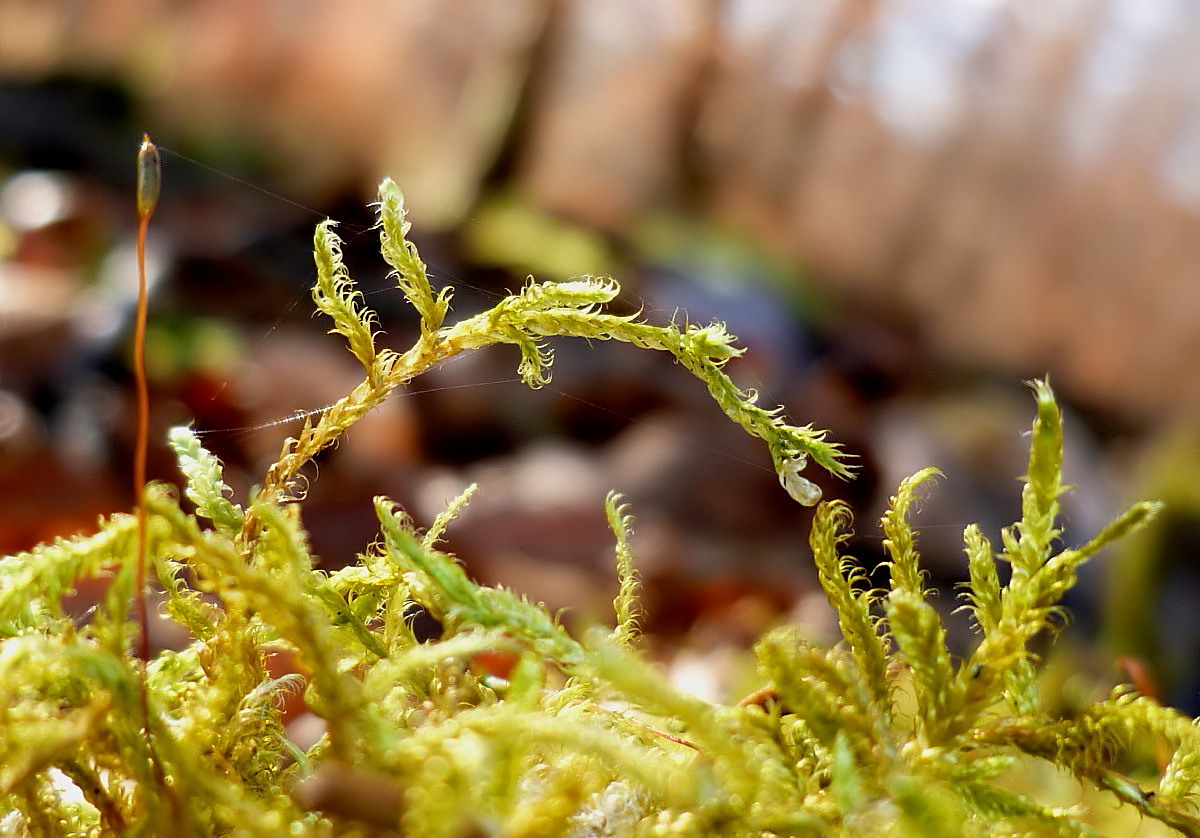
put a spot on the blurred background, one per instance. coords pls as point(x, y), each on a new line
point(903, 208)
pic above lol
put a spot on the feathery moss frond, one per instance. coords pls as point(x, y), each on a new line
point(337, 298)
point(51, 570)
point(847, 590)
point(899, 538)
point(982, 592)
point(823, 688)
point(880, 734)
point(1028, 543)
point(921, 645)
point(457, 601)
point(205, 482)
point(408, 269)
point(626, 604)
point(443, 519)
point(538, 311)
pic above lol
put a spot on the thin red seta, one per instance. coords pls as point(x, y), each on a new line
point(149, 178)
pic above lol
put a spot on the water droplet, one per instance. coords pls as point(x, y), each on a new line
point(802, 490)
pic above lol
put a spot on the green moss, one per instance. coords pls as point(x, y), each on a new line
point(883, 733)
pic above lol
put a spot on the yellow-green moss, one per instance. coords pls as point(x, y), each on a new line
point(884, 733)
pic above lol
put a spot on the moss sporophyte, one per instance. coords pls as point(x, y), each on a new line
point(883, 733)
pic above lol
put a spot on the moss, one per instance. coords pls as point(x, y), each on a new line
point(883, 733)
